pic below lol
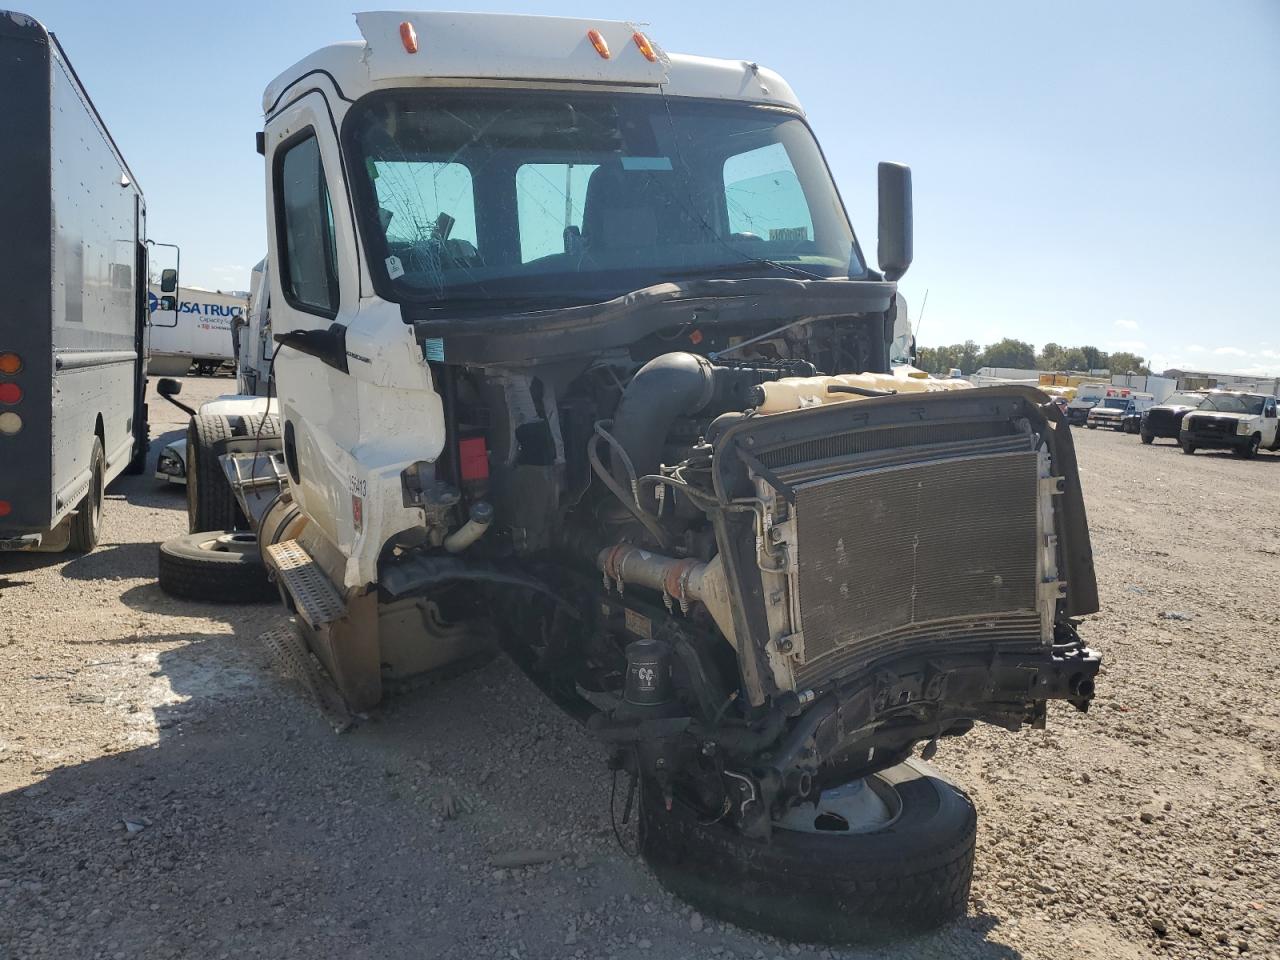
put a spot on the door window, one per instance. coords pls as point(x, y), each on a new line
point(306, 239)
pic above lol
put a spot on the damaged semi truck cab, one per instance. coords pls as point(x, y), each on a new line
point(580, 355)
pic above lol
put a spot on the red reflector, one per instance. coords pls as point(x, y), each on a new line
point(473, 459)
point(5, 508)
point(409, 37)
point(10, 393)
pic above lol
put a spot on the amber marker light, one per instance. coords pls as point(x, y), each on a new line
point(409, 37)
point(597, 41)
point(645, 47)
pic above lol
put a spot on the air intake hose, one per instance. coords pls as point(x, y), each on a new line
point(670, 386)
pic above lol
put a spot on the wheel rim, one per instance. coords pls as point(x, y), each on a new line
point(239, 541)
point(859, 806)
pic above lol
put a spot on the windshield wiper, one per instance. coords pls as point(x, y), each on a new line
point(742, 266)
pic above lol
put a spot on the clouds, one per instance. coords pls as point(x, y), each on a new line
point(1127, 324)
point(1129, 346)
point(1230, 352)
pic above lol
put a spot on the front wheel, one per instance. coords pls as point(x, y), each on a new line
point(879, 857)
point(1249, 449)
point(1147, 438)
point(1187, 446)
point(1092, 426)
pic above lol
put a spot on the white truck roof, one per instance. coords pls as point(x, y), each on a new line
point(482, 48)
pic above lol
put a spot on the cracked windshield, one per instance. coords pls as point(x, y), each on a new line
point(590, 196)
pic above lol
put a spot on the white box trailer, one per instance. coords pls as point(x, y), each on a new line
point(196, 333)
point(73, 300)
point(1161, 388)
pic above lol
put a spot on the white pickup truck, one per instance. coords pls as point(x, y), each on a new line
point(1243, 423)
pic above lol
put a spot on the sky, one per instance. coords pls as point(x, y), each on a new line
point(1087, 173)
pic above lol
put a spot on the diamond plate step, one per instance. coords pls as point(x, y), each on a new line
point(317, 600)
point(292, 658)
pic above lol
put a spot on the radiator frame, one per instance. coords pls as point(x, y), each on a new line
point(744, 443)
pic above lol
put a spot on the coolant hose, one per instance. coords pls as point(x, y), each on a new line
point(667, 387)
point(472, 530)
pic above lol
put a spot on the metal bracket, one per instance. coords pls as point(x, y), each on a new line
point(1053, 486)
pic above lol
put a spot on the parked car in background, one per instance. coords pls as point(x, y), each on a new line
point(1164, 420)
point(1088, 395)
point(1240, 422)
point(1119, 409)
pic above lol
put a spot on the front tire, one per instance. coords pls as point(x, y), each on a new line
point(1147, 438)
point(1249, 449)
point(86, 525)
point(1187, 447)
point(211, 503)
point(909, 875)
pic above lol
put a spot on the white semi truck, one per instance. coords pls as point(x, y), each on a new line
point(253, 349)
point(73, 285)
point(195, 335)
point(579, 355)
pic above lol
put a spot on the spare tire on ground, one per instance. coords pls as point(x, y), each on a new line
point(218, 565)
point(902, 866)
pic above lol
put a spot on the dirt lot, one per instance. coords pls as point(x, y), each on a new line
point(1149, 827)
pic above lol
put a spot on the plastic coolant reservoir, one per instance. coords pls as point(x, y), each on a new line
point(793, 393)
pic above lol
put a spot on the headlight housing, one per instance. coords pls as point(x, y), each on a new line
point(1243, 427)
point(168, 464)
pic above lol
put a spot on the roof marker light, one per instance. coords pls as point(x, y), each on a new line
point(10, 363)
point(597, 41)
point(409, 37)
point(645, 47)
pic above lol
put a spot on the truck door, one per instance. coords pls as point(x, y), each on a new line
point(314, 288)
point(1270, 424)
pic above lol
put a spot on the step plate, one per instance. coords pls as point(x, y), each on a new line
point(317, 601)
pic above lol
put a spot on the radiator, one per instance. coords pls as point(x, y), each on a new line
point(914, 549)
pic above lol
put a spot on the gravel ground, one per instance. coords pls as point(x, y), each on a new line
point(164, 794)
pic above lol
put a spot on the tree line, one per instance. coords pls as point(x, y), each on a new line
point(969, 356)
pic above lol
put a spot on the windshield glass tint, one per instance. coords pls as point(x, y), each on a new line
point(1115, 403)
point(1184, 400)
point(1233, 403)
point(586, 196)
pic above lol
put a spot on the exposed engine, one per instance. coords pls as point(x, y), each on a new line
point(754, 576)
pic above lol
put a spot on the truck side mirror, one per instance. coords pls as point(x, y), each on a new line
point(168, 281)
point(168, 387)
point(894, 250)
point(168, 304)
